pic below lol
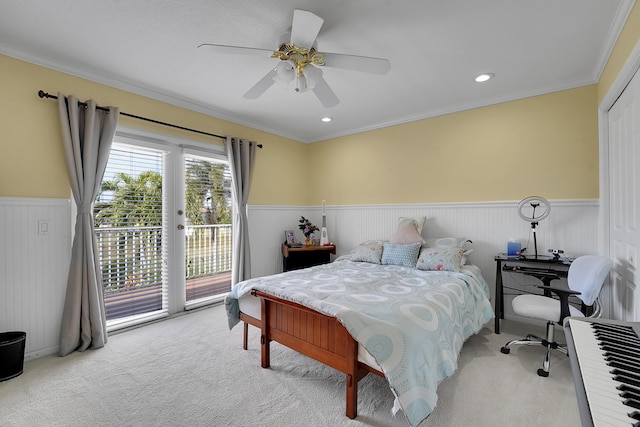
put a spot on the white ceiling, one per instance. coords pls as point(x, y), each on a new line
point(435, 47)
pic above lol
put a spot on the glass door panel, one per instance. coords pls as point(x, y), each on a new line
point(129, 224)
point(207, 228)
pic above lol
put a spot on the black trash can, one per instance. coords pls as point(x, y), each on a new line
point(11, 354)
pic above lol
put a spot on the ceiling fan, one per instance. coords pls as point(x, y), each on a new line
point(300, 60)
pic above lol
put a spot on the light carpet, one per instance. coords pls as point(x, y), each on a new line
point(191, 371)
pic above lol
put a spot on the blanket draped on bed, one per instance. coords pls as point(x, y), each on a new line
point(413, 322)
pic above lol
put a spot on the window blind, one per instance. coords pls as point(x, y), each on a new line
point(128, 214)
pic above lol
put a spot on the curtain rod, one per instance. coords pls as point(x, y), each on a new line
point(43, 94)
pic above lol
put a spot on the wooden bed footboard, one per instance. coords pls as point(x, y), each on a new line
point(313, 334)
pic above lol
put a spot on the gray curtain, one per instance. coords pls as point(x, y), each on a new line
point(241, 154)
point(87, 135)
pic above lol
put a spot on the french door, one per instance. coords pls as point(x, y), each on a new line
point(207, 228)
point(163, 228)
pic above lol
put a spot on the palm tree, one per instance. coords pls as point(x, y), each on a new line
point(129, 201)
point(208, 191)
point(132, 203)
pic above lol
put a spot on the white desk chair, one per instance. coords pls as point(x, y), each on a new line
point(585, 279)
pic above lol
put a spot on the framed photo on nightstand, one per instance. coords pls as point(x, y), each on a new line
point(289, 237)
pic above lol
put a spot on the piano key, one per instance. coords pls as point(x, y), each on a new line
point(626, 378)
point(620, 352)
point(606, 405)
point(625, 364)
point(623, 335)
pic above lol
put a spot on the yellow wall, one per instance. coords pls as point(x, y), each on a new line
point(31, 154)
point(545, 145)
point(627, 41)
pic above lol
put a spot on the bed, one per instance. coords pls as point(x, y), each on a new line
point(405, 320)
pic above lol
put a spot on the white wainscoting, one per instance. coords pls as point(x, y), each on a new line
point(35, 241)
point(572, 226)
point(34, 260)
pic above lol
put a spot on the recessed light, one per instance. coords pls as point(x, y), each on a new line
point(484, 77)
point(326, 119)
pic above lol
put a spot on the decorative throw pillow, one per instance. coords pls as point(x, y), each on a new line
point(369, 251)
point(440, 259)
point(418, 221)
point(406, 255)
point(447, 242)
point(451, 242)
point(406, 233)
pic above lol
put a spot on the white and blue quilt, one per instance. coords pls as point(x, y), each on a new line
point(413, 322)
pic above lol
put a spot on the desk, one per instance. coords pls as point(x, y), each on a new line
point(542, 263)
point(305, 256)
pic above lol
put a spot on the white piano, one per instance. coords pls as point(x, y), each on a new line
point(605, 360)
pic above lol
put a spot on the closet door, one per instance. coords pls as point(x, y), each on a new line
point(624, 206)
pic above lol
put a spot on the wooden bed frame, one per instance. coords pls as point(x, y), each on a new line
point(313, 334)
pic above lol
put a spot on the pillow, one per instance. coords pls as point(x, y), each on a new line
point(369, 251)
point(418, 221)
point(440, 259)
point(447, 242)
point(406, 233)
point(451, 242)
point(406, 255)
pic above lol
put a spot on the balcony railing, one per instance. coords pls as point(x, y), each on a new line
point(208, 260)
point(132, 273)
point(208, 249)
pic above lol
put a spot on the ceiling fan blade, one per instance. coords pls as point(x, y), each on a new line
point(325, 94)
point(305, 28)
point(357, 63)
point(220, 48)
point(263, 84)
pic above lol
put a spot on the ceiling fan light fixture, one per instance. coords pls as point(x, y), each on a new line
point(326, 119)
point(285, 72)
point(305, 77)
point(301, 83)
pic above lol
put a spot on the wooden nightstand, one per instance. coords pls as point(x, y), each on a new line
point(305, 256)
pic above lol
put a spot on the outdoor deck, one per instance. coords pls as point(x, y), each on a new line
point(136, 301)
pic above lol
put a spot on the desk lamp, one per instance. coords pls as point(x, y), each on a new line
point(527, 211)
